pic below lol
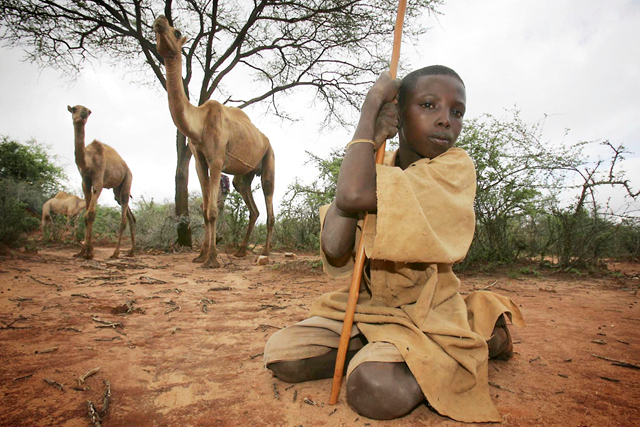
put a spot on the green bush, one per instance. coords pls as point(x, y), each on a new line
point(155, 224)
point(16, 220)
point(28, 177)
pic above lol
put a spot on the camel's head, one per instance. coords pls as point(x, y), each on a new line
point(169, 40)
point(79, 114)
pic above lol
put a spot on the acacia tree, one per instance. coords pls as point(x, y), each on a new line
point(516, 173)
point(584, 226)
point(335, 48)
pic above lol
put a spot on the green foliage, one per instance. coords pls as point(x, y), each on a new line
point(57, 230)
point(234, 221)
point(298, 224)
point(516, 173)
point(627, 244)
point(530, 271)
point(28, 177)
point(31, 164)
point(155, 224)
point(16, 222)
point(107, 223)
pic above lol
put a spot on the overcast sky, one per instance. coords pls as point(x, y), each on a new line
point(574, 60)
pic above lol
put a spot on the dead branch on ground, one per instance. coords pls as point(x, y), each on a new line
point(616, 362)
point(10, 325)
point(54, 384)
point(58, 287)
point(86, 375)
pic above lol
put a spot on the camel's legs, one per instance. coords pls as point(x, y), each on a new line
point(75, 225)
point(66, 226)
point(53, 227)
point(92, 194)
point(122, 197)
point(86, 190)
point(45, 216)
point(221, 199)
point(211, 211)
point(242, 184)
point(132, 229)
point(203, 176)
point(268, 178)
point(49, 220)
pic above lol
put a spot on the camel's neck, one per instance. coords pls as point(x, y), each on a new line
point(78, 129)
point(182, 112)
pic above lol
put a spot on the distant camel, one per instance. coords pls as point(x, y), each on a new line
point(62, 204)
point(222, 139)
point(101, 167)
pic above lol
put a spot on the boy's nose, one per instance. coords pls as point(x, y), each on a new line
point(444, 120)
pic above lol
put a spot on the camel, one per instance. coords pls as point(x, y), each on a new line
point(62, 204)
point(222, 139)
point(101, 167)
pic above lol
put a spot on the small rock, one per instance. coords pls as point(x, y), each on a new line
point(289, 255)
point(262, 260)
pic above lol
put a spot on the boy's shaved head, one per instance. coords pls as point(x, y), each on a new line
point(409, 81)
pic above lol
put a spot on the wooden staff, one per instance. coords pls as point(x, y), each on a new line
point(360, 256)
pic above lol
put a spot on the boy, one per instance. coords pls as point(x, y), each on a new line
point(414, 336)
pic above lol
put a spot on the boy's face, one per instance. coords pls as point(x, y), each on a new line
point(431, 119)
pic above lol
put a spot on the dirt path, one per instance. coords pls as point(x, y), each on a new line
point(189, 353)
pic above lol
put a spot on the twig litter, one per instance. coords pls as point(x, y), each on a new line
point(94, 416)
point(54, 384)
point(616, 362)
point(492, 384)
point(58, 287)
point(24, 377)
point(220, 288)
point(86, 375)
point(70, 328)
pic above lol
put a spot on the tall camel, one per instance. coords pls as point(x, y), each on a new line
point(62, 204)
point(222, 139)
point(101, 167)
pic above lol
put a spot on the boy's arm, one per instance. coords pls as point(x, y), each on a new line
point(356, 191)
point(338, 235)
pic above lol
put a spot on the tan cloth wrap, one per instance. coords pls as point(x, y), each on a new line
point(312, 337)
point(425, 223)
point(489, 303)
point(375, 352)
point(436, 197)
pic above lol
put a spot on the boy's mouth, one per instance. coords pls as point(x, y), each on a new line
point(440, 139)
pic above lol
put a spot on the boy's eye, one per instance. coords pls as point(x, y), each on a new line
point(428, 105)
point(458, 113)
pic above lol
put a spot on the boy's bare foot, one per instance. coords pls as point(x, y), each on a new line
point(383, 391)
point(500, 344)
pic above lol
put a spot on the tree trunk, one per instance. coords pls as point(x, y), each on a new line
point(182, 190)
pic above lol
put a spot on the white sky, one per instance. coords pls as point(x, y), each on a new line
point(576, 60)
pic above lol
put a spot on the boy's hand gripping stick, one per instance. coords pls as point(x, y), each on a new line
point(360, 256)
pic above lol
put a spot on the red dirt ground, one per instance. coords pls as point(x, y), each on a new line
point(189, 367)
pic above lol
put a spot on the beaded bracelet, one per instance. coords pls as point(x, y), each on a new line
point(356, 141)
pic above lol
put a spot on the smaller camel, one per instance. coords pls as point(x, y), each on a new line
point(222, 139)
point(101, 167)
point(62, 204)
